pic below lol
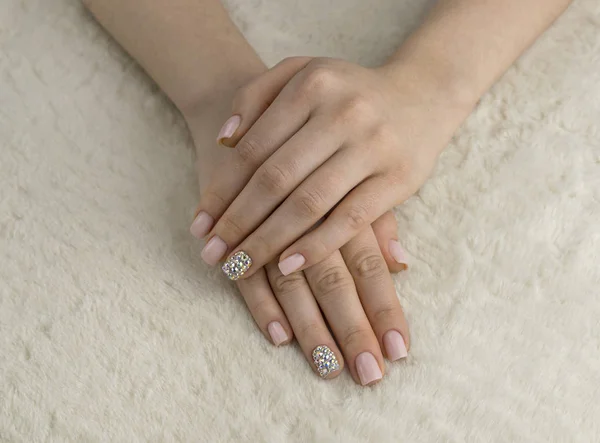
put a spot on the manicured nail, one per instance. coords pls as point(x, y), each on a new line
point(325, 360)
point(237, 265)
point(398, 253)
point(277, 333)
point(291, 264)
point(201, 224)
point(367, 368)
point(229, 128)
point(395, 348)
point(214, 250)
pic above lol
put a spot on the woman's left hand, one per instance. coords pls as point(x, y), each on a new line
point(321, 140)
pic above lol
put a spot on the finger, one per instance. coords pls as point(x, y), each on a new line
point(313, 336)
point(356, 211)
point(307, 204)
point(284, 117)
point(334, 290)
point(377, 293)
point(265, 309)
point(255, 97)
point(272, 183)
point(385, 229)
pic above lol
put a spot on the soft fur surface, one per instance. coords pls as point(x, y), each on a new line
point(112, 329)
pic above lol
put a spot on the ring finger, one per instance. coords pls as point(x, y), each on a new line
point(296, 299)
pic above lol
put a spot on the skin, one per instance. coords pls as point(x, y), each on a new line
point(340, 144)
point(352, 287)
point(322, 143)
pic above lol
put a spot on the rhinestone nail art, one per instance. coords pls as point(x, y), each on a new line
point(325, 360)
point(237, 265)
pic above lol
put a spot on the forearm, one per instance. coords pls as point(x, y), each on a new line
point(189, 47)
point(466, 45)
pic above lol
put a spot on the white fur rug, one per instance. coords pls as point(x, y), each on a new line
point(112, 329)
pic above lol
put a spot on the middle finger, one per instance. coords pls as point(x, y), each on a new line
point(333, 287)
point(272, 182)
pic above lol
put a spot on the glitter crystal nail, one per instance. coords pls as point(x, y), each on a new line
point(325, 360)
point(237, 265)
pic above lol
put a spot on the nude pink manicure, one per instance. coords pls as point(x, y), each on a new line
point(214, 250)
point(397, 253)
point(277, 333)
point(367, 368)
point(395, 348)
point(201, 224)
point(291, 264)
point(229, 128)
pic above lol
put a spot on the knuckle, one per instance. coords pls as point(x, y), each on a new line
point(310, 204)
point(311, 329)
point(288, 284)
point(259, 306)
point(332, 280)
point(249, 151)
point(213, 198)
point(369, 264)
point(357, 217)
point(230, 227)
point(273, 178)
point(257, 242)
point(356, 109)
point(386, 314)
point(382, 134)
point(318, 79)
point(354, 336)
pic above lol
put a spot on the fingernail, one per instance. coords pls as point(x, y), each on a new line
point(325, 360)
point(291, 264)
point(229, 128)
point(237, 265)
point(398, 253)
point(277, 333)
point(367, 368)
point(395, 348)
point(214, 250)
point(201, 224)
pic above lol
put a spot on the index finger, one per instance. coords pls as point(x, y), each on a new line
point(252, 104)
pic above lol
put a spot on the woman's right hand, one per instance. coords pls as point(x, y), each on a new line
point(351, 291)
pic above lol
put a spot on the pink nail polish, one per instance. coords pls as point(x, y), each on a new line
point(367, 368)
point(201, 224)
point(214, 250)
point(291, 264)
point(229, 128)
point(277, 333)
point(397, 253)
point(395, 348)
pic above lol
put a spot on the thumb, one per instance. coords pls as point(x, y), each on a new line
point(254, 98)
point(386, 232)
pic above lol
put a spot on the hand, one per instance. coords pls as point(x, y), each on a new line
point(319, 139)
point(352, 288)
point(350, 293)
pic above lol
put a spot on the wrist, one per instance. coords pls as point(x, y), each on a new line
point(205, 112)
point(217, 96)
point(434, 78)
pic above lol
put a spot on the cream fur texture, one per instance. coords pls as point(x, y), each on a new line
point(112, 329)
